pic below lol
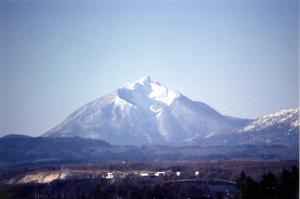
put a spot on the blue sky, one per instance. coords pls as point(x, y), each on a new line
point(238, 56)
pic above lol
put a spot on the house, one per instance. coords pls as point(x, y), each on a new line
point(144, 174)
point(178, 173)
point(196, 173)
point(109, 176)
point(160, 173)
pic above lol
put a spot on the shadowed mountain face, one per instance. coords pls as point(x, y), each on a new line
point(20, 149)
point(146, 112)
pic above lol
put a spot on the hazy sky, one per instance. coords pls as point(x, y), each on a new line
point(239, 56)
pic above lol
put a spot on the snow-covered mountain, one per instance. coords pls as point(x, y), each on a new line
point(145, 112)
point(287, 118)
point(280, 128)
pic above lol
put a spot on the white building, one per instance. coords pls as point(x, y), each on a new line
point(160, 173)
point(144, 174)
point(109, 176)
point(178, 173)
point(197, 173)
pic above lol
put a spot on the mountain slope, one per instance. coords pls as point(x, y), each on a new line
point(25, 149)
point(285, 118)
point(145, 112)
point(279, 128)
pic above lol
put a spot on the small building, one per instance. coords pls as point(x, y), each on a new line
point(143, 174)
point(178, 173)
point(109, 176)
point(160, 173)
point(196, 173)
point(132, 173)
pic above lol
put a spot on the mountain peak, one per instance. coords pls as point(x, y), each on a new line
point(145, 79)
point(144, 89)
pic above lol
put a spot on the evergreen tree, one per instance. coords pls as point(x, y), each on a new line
point(268, 186)
point(248, 187)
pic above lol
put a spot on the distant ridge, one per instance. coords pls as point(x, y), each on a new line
point(20, 151)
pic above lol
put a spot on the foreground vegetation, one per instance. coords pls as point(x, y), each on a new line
point(284, 186)
point(104, 189)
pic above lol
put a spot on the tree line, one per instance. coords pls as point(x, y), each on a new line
point(283, 186)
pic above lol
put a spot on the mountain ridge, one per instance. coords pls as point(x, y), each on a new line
point(20, 151)
point(278, 128)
